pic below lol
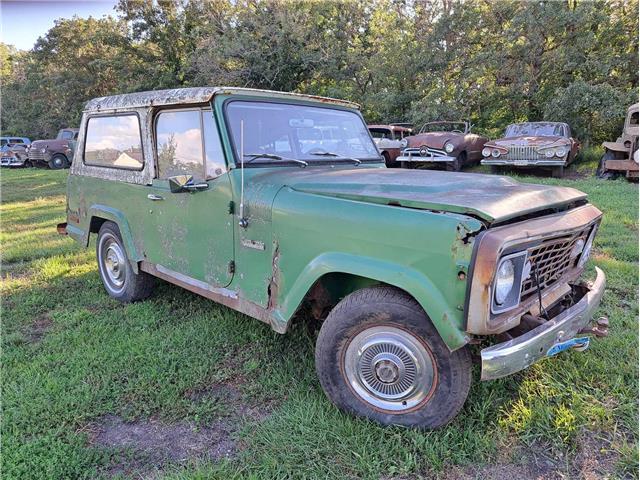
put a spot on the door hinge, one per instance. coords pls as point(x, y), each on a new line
point(232, 208)
point(232, 267)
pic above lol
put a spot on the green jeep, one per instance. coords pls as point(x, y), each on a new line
point(274, 203)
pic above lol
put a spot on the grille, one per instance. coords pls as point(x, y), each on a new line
point(517, 152)
point(431, 152)
point(35, 154)
point(552, 259)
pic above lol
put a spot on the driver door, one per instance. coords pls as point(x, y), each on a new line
point(190, 233)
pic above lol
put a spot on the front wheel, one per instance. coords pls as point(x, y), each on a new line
point(57, 162)
point(378, 356)
point(458, 163)
point(118, 278)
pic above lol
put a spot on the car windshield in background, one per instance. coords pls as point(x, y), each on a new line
point(535, 130)
point(298, 132)
point(443, 127)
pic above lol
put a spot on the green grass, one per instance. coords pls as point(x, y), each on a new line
point(145, 361)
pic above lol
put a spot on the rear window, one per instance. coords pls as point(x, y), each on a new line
point(114, 141)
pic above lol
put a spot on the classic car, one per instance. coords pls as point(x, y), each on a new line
point(449, 143)
point(388, 139)
point(533, 144)
point(216, 190)
point(14, 155)
point(621, 156)
point(55, 153)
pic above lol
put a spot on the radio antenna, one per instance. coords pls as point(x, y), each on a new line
point(243, 221)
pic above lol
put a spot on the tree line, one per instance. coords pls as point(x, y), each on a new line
point(492, 62)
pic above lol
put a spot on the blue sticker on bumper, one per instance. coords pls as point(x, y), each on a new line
point(579, 343)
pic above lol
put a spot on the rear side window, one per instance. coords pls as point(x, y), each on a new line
point(114, 141)
point(187, 143)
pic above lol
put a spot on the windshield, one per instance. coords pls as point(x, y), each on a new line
point(535, 129)
point(443, 127)
point(299, 132)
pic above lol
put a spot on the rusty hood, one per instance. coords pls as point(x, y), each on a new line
point(491, 198)
point(433, 139)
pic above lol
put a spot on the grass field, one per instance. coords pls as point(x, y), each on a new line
point(179, 387)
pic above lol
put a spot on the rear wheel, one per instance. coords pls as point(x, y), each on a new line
point(118, 278)
point(378, 356)
point(57, 162)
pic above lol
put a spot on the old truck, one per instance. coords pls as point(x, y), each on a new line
point(55, 153)
point(621, 157)
point(217, 190)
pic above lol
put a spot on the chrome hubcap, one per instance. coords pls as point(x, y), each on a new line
point(113, 263)
point(389, 368)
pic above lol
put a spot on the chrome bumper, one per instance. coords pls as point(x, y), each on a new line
point(519, 353)
point(421, 159)
point(524, 163)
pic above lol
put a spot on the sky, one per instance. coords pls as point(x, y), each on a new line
point(23, 21)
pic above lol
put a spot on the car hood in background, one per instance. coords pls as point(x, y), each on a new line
point(492, 198)
point(432, 139)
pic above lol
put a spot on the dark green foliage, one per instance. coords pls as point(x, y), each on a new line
point(491, 62)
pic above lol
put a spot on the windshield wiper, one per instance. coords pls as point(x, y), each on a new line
point(331, 154)
point(271, 156)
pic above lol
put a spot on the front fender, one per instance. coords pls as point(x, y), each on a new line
point(410, 280)
point(117, 217)
point(615, 146)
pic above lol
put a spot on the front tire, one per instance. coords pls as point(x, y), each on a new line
point(57, 162)
point(379, 356)
point(118, 278)
point(458, 163)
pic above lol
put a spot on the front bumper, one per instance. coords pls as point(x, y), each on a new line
point(519, 353)
point(11, 162)
point(533, 162)
point(427, 159)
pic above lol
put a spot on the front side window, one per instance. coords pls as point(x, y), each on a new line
point(66, 135)
point(299, 132)
point(114, 141)
point(187, 143)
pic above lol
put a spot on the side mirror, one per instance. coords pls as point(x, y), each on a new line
point(184, 183)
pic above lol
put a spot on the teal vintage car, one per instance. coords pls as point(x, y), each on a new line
point(276, 203)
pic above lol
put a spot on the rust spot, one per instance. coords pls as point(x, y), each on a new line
point(272, 289)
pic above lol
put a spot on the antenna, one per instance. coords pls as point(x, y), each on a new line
point(243, 221)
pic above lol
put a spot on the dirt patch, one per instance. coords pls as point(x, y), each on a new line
point(144, 447)
point(39, 328)
point(593, 460)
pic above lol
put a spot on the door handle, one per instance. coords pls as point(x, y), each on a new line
point(153, 197)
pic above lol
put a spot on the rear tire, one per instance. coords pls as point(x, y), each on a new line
point(379, 356)
point(118, 278)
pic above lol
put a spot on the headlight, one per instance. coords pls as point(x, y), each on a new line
point(505, 276)
point(486, 152)
point(548, 153)
point(404, 143)
point(512, 270)
point(587, 248)
point(448, 147)
point(560, 152)
point(43, 150)
point(495, 153)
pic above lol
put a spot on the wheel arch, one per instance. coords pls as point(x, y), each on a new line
point(99, 214)
point(332, 276)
